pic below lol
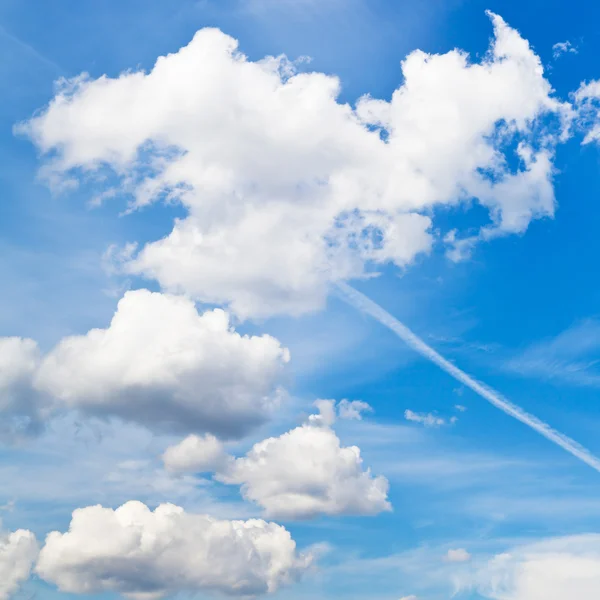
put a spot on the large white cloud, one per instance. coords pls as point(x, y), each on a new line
point(18, 552)
point(146, 555)
point(159, 363)
point(287, 189)
point(554, 569)
point(306, 472)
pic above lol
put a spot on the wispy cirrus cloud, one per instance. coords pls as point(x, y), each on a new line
point(572, 357)
point(29, 51)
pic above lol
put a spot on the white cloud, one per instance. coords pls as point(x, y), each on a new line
point(352, 410)
point(329, 411)
point(196, 454)
point(287, 189)
point(426, 419)
point(146, 555)
point(561, 48)
point(159, 363)
point(555, 569)
point(457, 555)
point(409, 598)
point(300, 474)
point(587, 101)
point(306, 472)
point(18, 551)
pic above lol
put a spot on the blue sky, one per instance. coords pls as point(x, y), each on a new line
point(518, 312)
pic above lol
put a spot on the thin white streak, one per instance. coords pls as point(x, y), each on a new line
point(367, 306)
point(30, 50)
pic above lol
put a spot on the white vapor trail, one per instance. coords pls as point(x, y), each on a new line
point(367, 306)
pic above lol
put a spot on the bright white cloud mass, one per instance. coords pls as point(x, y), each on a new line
point(147, 555)
point(301, 474)
point(550, 570)
point(306, 472)
point(159, 363)
point(18, 552)
point(195, 454)
point(334, 190)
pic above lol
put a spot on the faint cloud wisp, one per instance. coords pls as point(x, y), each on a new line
point(570, 358)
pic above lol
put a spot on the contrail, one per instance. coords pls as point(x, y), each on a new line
point(367, 306)
point(28, 49)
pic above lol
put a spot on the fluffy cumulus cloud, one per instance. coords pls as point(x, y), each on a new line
point(306, 472)
point(288, 190)
point(18, 552)
point(159, 363)
point(203, 454)
point(196, 454)
point(549, 570)
point(147, 555)
point(301, 474)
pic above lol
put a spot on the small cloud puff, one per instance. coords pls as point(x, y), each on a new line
point(329, 412)
point(561, 48)
point(427, 419)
